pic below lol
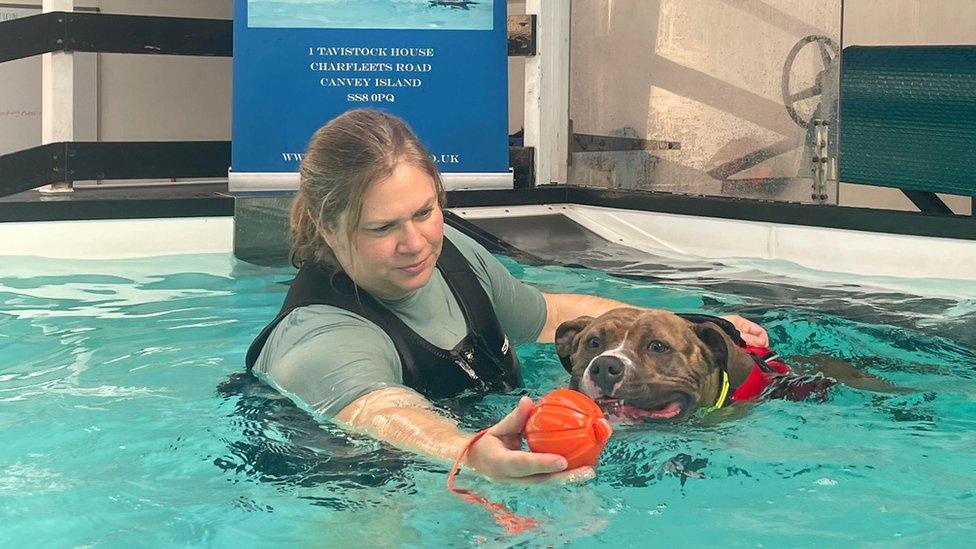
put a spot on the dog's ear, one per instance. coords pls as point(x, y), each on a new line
point(566, 339)
point(716, 341)
point(725, 353)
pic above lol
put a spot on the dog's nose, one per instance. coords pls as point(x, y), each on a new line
point(606, 372)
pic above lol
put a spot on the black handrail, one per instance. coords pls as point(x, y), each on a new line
point(142, 34)
point(110, 33)
point(81, 161)
point(30, 36)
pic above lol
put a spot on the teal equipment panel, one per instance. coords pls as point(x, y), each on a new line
point(908, 117)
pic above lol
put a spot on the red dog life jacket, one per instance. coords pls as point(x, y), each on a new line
point(770, 377)
point(768, 367)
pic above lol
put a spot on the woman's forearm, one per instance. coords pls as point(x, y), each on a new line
point(563, 307)
point(405, 419)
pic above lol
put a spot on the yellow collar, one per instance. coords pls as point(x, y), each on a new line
point(722, 394)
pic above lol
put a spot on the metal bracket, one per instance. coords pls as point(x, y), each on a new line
point(820, 160)
point(582, 142)
point(522, 161)
point(928, 202)
point(521, 35)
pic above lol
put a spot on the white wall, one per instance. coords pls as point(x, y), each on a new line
point(166, 97)
point(210, 9)
point(909, 22)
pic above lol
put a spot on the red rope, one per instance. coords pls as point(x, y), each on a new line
point(513, 524)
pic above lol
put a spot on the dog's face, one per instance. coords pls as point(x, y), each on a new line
point(645, 364)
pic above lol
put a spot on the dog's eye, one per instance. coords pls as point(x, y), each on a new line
point(658, 346)
point(593, 342)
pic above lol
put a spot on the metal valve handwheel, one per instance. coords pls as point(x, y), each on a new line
point(828, 55)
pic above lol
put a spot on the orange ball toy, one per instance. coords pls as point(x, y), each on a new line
point(568, 423)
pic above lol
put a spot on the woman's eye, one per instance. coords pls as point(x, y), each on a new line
point(658, 346)
point(381, 230)
point(593, 342)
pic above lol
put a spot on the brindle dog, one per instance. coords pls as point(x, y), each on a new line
point(648, 364)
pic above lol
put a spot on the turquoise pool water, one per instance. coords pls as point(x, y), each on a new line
point(122, 424)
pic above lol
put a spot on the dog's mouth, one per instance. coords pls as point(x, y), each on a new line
point(669, 408)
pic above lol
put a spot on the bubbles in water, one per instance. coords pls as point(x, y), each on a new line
point(658, 510)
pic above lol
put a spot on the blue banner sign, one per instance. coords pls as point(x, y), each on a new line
point(440, 64)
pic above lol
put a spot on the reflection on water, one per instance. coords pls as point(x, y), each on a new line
point(283, 444)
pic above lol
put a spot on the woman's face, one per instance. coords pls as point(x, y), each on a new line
point(395, 248)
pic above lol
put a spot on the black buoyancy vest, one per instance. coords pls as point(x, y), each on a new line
point(483, 360)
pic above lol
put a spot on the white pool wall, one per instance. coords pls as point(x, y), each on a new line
point(118, 238)
point(822, 249)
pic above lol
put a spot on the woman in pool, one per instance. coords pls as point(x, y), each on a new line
point(390, 307)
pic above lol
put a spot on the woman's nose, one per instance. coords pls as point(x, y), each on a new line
point(412, 239)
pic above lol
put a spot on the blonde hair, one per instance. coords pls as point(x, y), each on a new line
point(344, 157)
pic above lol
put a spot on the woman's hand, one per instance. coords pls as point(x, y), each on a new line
point(499, 455)
point(752, 333)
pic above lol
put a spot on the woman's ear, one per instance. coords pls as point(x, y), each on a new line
point(341, 246)
point(327, 235)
